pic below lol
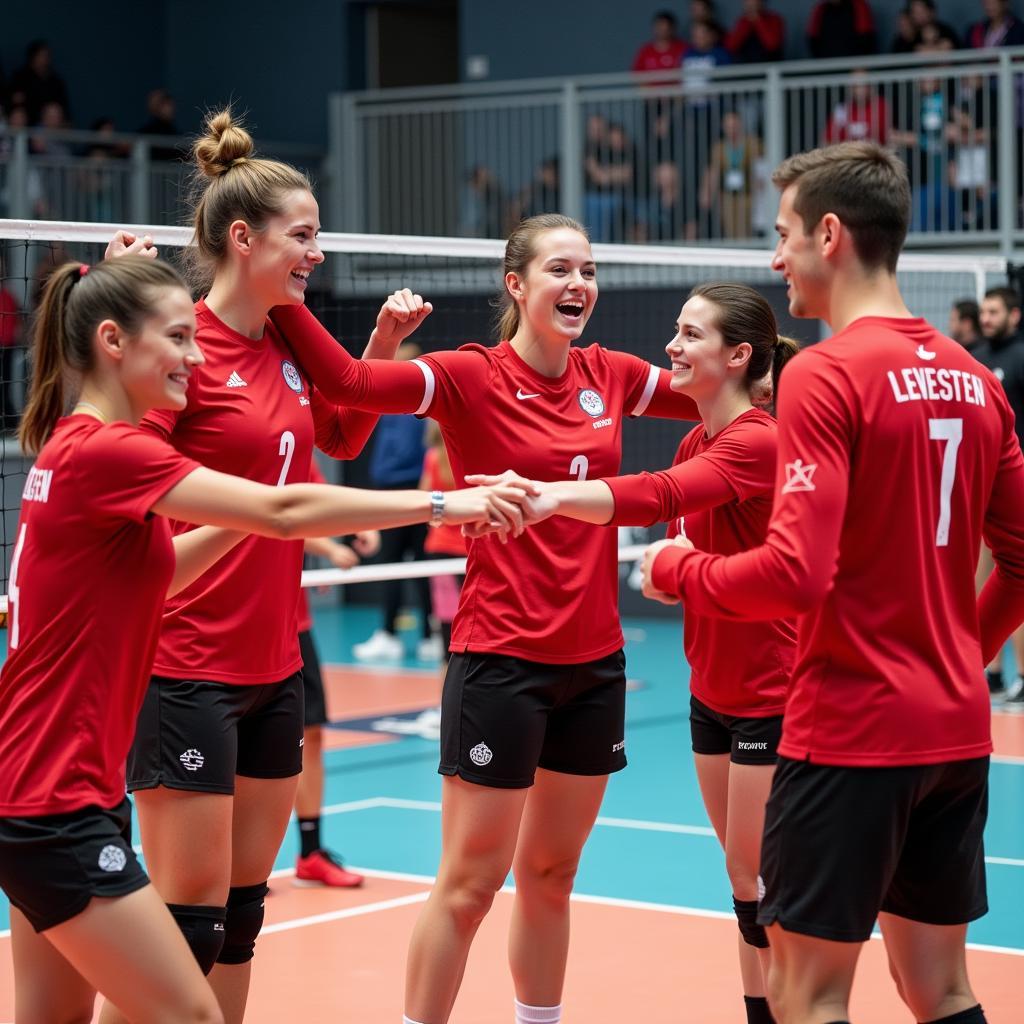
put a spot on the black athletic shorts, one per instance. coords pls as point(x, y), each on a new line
point(314, 699)
point(503, 717)
point(52, 865)
point(748, 740)
point(198, 736)
point(841, 844)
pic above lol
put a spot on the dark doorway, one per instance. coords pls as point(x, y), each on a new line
point(412, 43)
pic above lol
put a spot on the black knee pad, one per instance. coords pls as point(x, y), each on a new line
point(746, 916)
point(243, 923)
point(203, 928)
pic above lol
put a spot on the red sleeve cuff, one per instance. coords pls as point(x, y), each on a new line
point(665, 572)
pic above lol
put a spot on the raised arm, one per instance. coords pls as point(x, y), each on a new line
point(373, 385)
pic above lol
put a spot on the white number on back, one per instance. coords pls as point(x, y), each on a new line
point(287, 449)
point(13, 594)
point(952, 432)
point(579, 466)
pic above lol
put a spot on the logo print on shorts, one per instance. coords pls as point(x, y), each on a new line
point(112, 858)
point(591, 402)
point(291, 376)
point(760, 888)
point(192, 759)
point(481, 754)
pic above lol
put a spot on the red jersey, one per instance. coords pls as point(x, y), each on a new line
point(854, 121)
point(896, 454)
point(722, 486)
point(89, 575)
point(550, 595)
point(251, 413)
point(443, 539)
point(653, 58)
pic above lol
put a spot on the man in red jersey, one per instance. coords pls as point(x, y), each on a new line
point(896, 454)
point(665, 49)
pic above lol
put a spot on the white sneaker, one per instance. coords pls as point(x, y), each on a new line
point(382, 646)
point(429, 649)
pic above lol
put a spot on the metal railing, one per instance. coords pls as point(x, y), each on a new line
point(119, 178)
point(682, 155)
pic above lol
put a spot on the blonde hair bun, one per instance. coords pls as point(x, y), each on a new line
point(224, 143)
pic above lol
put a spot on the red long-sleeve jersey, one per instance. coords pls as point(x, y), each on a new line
point(897, 453)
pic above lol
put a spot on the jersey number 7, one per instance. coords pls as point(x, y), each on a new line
point(952, 432)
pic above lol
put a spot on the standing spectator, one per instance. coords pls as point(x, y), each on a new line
point(1001, 27)
point(758, 35)
point(53, 118)
point(862, 115)
point(727, 190)
point(608, 165)
point(542, 195)
point(10, 345)
point(905, 39)
point(661, 217)
point(964, 325)
point(160, 105)
point(35, 83)
point(664, 49)
point(930, 31)
point(841, 28)
point(483, 212)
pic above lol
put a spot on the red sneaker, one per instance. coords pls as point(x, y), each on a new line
point(320, 868)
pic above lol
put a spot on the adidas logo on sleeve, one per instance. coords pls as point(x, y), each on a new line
point(234, 381)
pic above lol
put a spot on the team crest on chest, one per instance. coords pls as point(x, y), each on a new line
point(591, 402)
point(291, 376)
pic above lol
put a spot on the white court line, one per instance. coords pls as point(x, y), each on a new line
point(1007, 759)
point(339, 915)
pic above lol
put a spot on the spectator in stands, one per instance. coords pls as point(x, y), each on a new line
point(10, 346)
point(841, 28)
point(161, 108)
point(35, 83)
point(971, 136)
point(665, 48)
point(52, 118)
point(923, 133)
point(964, 325)
point(702, 10)
point(905, 39)
point(483, 212)
point(726, 193)
point(660, 216)
point(609, 161)
point(758, 36)
point(934, 34)
point(1001, 27)
point(863, 114)
point(542, 195)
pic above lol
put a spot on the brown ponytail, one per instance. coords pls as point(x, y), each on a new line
point(520, 250)
point(72, 306)
point(785, 349)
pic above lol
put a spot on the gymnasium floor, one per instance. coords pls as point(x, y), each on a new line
point(653, 933)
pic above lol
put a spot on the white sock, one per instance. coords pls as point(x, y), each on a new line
point(408, 1020)
point(537, 1014)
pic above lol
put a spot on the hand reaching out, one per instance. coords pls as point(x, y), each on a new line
point(648, 589)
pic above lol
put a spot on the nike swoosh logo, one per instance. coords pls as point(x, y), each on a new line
point(520, 394)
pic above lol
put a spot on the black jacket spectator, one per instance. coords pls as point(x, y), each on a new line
point(841, 28)
point(1005, 29)
point(36, 83)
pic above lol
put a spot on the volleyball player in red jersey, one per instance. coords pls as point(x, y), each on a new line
point(533, 703)
point(217, 753)
point(92, 565)
point(725, 350)
point(897, 454)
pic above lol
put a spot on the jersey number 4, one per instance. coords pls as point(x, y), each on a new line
point(952, 432)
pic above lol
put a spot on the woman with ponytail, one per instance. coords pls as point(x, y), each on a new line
point(533, 705)
point(727, 356)
point(218, 748)
point(93, 563)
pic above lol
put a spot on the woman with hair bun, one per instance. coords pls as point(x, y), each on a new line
point(727, 356)
point(218, 749)
point(93, 563)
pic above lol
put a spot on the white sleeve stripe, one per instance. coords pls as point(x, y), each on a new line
point(428, 386)
point(645, 398)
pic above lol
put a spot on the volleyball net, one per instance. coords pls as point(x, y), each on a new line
point(641, 291)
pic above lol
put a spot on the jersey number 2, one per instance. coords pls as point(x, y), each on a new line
point(952, 432)
point(287, 449)
point(579, 466)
